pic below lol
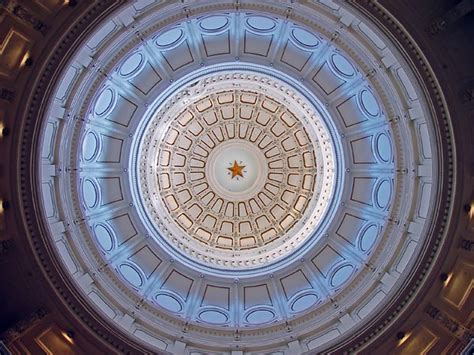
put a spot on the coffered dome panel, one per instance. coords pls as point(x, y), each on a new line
point(243, 169)
point(235, 174)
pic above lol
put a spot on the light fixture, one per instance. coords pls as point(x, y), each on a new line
point(445, 278)
point(4, 131)
point(402, 337)
point(5, 205)
point(69, 336)
point(70, 3)
point(470, 210)
point(26, 61)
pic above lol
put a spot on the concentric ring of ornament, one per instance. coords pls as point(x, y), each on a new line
point(217, 211)
point(374, 229)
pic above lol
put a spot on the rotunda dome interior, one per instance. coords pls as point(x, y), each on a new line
point(325, 162)
point(241, 177)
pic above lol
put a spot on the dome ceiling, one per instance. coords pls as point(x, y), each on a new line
point(236, 175)
point(243, 173)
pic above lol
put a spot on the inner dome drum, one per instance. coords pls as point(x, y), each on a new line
point(236, 168)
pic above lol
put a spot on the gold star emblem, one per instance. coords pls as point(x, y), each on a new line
point(236, 169)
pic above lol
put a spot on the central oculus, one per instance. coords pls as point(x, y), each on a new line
point(236, 170)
